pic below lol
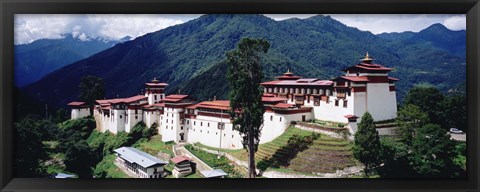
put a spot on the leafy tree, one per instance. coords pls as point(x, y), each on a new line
point(29, 151)
point(455, 107)
point(396, 159)
point(367, 147)
point(91, 88)
point(433, 152)
point(409, 118)
point(81, 159)
point(61, 115)
point(429, 100)
point(245, 75)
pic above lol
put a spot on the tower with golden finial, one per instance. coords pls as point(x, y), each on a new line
point(367, 59)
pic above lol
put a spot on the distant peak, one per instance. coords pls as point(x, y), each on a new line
point(437, 26)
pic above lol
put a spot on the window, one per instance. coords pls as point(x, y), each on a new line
point(201, 123)
point(208, 124)
point(336, 103)
point(280, 119)
point(345, 102)
point(172, 121)
point(232, 136)
point(181, 128)
point(136, 117)
point(120, 116)
point(188, 122)
point(155, 97)
point(194, 122)
point(208, 132)
point(271, 117)
point(200, 130)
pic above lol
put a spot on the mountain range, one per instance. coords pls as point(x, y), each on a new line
point(190, 57)
point(37, 59)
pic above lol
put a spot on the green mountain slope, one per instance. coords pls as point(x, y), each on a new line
point(190, 57)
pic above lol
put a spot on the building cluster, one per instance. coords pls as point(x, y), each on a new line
point(179, 118)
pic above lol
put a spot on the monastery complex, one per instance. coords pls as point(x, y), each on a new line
point(364, 87)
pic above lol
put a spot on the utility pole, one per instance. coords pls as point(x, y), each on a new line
point(46, 111)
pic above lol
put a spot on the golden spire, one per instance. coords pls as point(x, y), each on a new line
point(155, 80)
point(367, 59)
point(288, 72)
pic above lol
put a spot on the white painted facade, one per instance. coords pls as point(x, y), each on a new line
point(78, 113)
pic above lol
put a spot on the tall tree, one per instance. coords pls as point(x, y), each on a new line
point(367, 147)
point(245, 75)
point(81, 159)
point(430, 100)
point(29, 151)
point(91, 88)
point(409, 119)
point(433, 153)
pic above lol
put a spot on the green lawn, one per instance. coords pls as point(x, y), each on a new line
point(154, 145)
point(112, 170)
point(213, 161)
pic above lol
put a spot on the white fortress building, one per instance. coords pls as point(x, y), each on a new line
point(179, 118)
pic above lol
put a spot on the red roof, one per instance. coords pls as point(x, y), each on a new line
point(393, 79)
point(179, 159)
point(107, 102)
point(159, 105)
point(273, 99)
point(76, 103)
point(356, 78)
point(156, 84)
point(309, 82)
point(268, 95)
point(350, 116)
point(134, 98)
point(284, 105)
point(174, 98)
point(371, 67)
point(217, 104)
point(177, 96)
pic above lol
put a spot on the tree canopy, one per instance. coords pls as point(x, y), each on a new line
point(409, 119)
point(367, 147)
point(91, 88)
point(245, 75)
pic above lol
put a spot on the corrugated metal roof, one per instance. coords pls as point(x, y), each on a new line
point(139, 157)
point(214, 173)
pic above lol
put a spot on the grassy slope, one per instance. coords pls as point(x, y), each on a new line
point(324, 155)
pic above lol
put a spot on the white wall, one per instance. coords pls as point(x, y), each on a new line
point(330, 112)
point(80, 113)
point(131, 120)
point(205, 130)
point(381, 103)
point(275, 124)
point(170, 126)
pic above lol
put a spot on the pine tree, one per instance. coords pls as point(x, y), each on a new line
point(367, 146)
point(91, 89)
point(245, 75)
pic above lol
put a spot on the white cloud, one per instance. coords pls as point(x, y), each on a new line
point(456, 22)
point(376, 23)
point(31, 27)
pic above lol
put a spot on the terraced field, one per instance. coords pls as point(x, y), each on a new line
point(325, 155)
point(300, 151)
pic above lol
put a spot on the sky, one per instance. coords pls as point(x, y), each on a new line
point(31, 27)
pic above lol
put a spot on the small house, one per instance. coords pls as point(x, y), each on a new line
point(138, 163)
point(183, 166)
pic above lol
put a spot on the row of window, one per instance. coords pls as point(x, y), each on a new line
point(298, 91)
point(208, 132)
point(271, 118)
point(345, 103)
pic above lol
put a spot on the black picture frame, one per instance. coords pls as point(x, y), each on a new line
point(11, 7)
